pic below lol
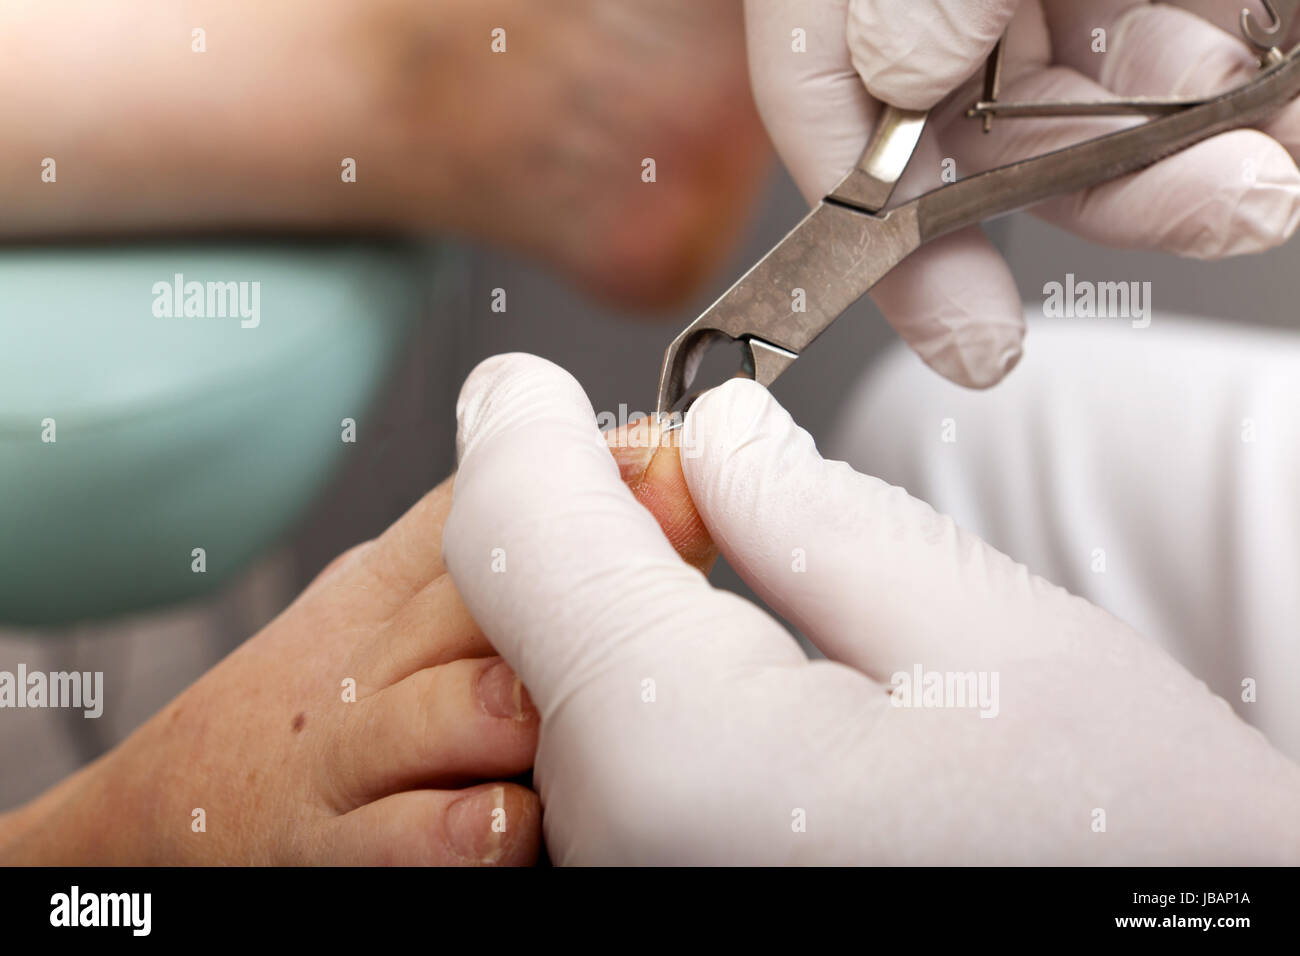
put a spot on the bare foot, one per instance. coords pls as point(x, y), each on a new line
point(370, 723)
point(539, 148)
point(279, 763)
point(553, 132)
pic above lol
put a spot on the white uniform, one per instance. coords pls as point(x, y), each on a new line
point(1155, 472)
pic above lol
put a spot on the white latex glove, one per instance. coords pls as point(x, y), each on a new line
point(1152, 471)
point(681, 724)
point(954, 301)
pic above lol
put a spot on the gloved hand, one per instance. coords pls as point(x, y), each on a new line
point(682, 724)
point(954, 300)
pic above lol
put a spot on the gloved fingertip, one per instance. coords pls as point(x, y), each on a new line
point(1266, 217)
point(506, 391)
point(956, 303)
point(1008, 361)
point(729, 415)
point(913, 55)
point(971, 357)
point(1237, 193)
point(982, 375)
point(1257, 205)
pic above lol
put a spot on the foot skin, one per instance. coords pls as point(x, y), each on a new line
point(541, 146)
point(287, 768)
point(538, 148)
point(649, 462)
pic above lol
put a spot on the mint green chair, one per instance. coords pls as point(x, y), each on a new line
point(177, 433)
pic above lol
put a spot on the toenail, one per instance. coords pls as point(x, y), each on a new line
point(478, 826)
point(502, 693)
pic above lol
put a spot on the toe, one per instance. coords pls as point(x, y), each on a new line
point(497, 824)
point(443, 726)
point(652, 468)
point(409, 554)
point(432, 628)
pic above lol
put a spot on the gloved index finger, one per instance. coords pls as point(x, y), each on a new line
point(914, 54)
point(873, 577)
point(813, 104)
